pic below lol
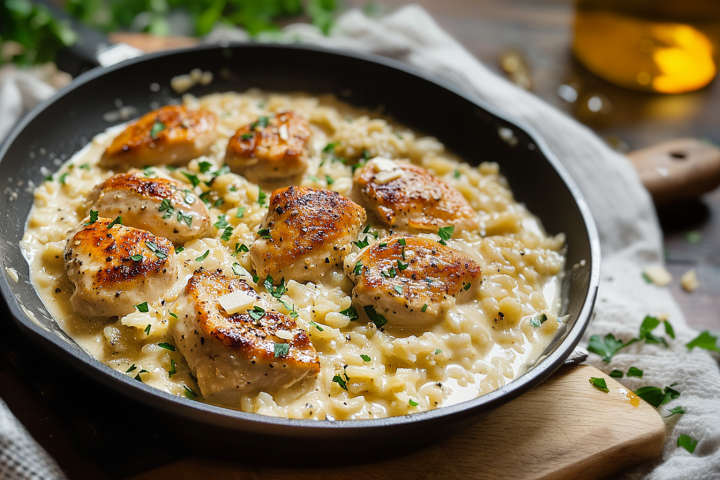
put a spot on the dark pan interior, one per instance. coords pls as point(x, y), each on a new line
point(60, 127)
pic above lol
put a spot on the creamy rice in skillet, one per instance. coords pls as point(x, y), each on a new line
point(474, 349)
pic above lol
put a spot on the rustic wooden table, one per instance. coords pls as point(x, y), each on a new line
point(87, 429)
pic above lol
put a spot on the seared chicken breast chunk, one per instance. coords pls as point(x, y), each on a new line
point(306, 233)
point(270, 148)
point(171, 135)
point(410, 281)
point(115, 267)
point(407, 197)
point(234, 344)
point(164, 207)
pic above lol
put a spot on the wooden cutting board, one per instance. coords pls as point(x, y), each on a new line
point(563, 429)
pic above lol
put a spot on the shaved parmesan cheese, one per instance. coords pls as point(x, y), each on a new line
point(283, 132)
point(236, 301)
point(12, 273)
point(689, 281)
point(381, 164)
point(658, 275)
point(284, 334)
point(387, 176)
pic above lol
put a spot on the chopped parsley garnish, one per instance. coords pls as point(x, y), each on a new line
point(193, 178)
point(147, 329)
point(172, 370)
point(634, 372)
point(468, 285)
point(205, 197)
point(402, 266)
point(261, 122)
point(181, 217)
point(281, 349)
point(148, 172)
point(457, 173)
point(256, 313)
point(238, 269)
point(391, 273)
point(648, 325)
point(204, 167)
point(693, 237)
point(218, 202)
point(132, 367)
point(438, 351)
point(536, 321)
point(189, 199)
point(358, 268)
point(362, 243)
point(606, 347)
point(424, 309)
point(365, 358)
point(313, 324)
point(616, 374)
point(240, 247)
point(382, 245)
point(330, 147)
point(329, 180)
point(179, 249)
point(166, 206)
point(276, 292)
point(227, 233)
point(655, 396)
point(687, 443)
point(599, 383)
point(85, 166)
point(378, 319)
point(313, 178)
point(398, 289)
point(240, 212)
point(402, 243)
point(646, 278)
point(93, 217)
point(137, 377)
point(446, 233)
point(167, 346)
point(413, 403)
point(705, 340)
point(261, 197)
point(221, 223)
point(203, 256)
point(247, 136)
point(172, 314)
point(117, 221)
point(156, 129)
point(675, 411)
point(339, 380)
point(143, 307)
point(350, 312)
point(264, 233)
point(155, 249)
point(189, 393)
point(63, 177)
point(136, 258)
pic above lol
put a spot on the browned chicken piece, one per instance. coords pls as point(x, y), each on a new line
point(412, 284)
point(234, 344)
point(270, 148)
point(115, 267)
point(171, 135)
point(407, 197)
point(307, 232)
point(164, 207)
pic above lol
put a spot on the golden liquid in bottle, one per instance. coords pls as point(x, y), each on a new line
point(651, 45)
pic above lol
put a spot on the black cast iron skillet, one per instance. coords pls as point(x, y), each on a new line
point(62, 125)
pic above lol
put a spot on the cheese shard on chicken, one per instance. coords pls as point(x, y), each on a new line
point(234, 344)
point(115, 267)
point(409, 198)
point(270, 148)
point(411, 281)
point(164, 207)
point(171, 135)
point(306, 233)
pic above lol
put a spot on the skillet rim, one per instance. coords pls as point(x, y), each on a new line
point(238, 420)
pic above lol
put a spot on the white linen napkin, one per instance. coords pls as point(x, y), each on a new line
point(630, 236)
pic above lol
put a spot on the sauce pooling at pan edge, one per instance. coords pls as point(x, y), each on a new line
point(293, 256)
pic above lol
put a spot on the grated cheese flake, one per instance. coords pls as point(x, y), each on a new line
point(284, 334)
point(236, 301)
point(658, 275)
point(387, 176)
point(689, 281)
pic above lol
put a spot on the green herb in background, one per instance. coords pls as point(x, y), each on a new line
point(705, 340)
point(687, 443)
point(599, 383)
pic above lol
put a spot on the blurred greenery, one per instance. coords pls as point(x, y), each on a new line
point(152, 15)
point(38, 35)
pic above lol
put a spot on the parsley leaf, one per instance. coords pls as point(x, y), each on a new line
point(446, 233)
point(705, 340)
point(117, 221)
point(264, 233)
point(616, 374)
point(221, 223)
point(261, 197)
point(606, 347)
point(189, 393)
point(155, 249)
point(181, 217)
point(136, 258)
point(675, 411)
point(365, 358)
point(330, 147)
point(413, 403)
point(398, 289)
point(203, 256)
point(131, 368)
point(142, 307)
point(189, 199)
point(424, 308)
point(350, 312)
point(179, 249)
point(227, 233)
point(329, 180)
point(172, 370)
point(634, 372)
point(276, 292)
point(238, 269)
point(362, 243)
point(93, 217)
point(166, 205)
point(156, 129)
point(261, 122)
point(655, 396)
point(240, 212)
point(167, 346)
point(147, 329)
point(281, 349)
point(204, 167)
point(256, 313)
point(648, 325)
point(247, 136)
point(687, 443)
point(63, 177)
point(338, 379)
point(378, 319)
point(193, 178)
point(402, 266)
point(537, 321)
point(599, 383)
point(313, 324)
point(438, 351)
point(172, 314)
point(358, 268)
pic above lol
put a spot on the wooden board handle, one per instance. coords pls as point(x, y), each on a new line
point(679, 169)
